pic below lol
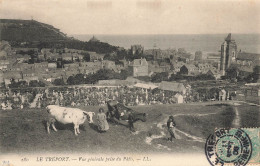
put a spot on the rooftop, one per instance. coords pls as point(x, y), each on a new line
point(248, 56)
point(140, 62)
point(229, 38)
point(172, 86)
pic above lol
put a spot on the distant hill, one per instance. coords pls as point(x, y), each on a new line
point(31, 33)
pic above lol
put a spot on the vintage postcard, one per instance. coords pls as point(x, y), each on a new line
point(129, 82)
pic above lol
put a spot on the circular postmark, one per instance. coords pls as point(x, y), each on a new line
point(228, 146)
point(210, 149)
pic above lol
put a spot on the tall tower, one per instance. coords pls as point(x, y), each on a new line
point(228, 54)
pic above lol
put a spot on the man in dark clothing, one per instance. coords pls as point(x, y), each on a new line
point(171, 127)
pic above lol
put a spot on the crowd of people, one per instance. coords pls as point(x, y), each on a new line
point(83, 96)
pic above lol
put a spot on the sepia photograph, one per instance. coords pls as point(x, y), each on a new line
point(129, 82)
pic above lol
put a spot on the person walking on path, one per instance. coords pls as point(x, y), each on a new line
point(102, 121)
point(171, 127)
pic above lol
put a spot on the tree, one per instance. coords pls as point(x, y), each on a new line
point(105, 74)
point(58, 82)
point(19, 84)
point(198, 53)
point(144, 78)
point(232, 72)
point(204, 77)
point(86, 57)
point(213, 93)
point(202, 94)
point(121, 54)
point(77, 79)
point(159, 77)
point(35, 83)
point(175, 77)
point(125, 73)
point(70, 80)
point(253, 77)
point(102, 74)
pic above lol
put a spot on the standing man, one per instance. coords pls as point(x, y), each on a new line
point(171, 127)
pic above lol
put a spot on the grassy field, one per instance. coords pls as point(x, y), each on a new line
point(25, 131)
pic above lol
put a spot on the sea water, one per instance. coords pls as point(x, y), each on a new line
point(192, 43)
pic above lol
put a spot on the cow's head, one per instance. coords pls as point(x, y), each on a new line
point(50, 107)
point(89, 116)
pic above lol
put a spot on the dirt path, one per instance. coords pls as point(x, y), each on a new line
point(236, 122)
point(250, 103)
point(179, 133)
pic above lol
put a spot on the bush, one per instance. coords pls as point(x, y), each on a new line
point(159, 77)
point(144, 78)
point(19, 84)
point(58, 82)
point(35, 83)
point(102, 74)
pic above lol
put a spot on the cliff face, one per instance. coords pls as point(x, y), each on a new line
point(29, 31)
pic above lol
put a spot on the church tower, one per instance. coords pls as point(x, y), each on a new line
point(228, 54)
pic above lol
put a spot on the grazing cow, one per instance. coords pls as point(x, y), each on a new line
point(66, 115)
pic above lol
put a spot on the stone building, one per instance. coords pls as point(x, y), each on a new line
point(248, 59)
point(189, 69)
point(222, 95)
point(228, 54)
point(106, 64)
point(140, 67)
point(173, 86)
point(178, 98)
point(29, 76)
point(93, 56)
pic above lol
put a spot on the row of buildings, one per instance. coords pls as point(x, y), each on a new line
point(49, 71)
point(141, 67)
point(193, 64)
point(48, 63)
point(16, 65)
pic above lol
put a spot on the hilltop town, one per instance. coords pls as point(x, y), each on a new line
point(51, 59)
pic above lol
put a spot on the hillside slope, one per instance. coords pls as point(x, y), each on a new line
point(34, 34)
point(28, 31)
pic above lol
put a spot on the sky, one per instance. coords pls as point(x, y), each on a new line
point(139, 16)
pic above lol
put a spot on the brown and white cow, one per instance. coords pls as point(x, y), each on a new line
point(67, 115)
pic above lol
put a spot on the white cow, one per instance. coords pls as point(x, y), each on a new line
point(67, 115)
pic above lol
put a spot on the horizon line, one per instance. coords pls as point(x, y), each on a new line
point(93, 34)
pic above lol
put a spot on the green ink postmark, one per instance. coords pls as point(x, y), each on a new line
point(233, 146)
